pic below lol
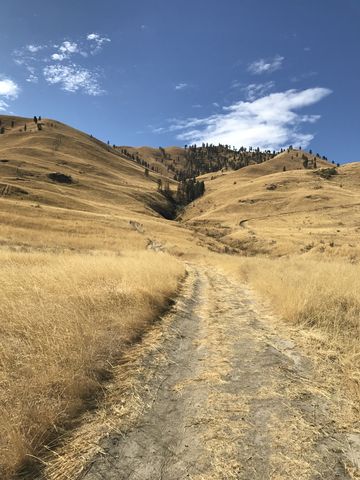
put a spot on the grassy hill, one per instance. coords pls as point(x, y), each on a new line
point(90, 258)
point(80, 283)
point(97, 194)
point(192, 161)
point(262, 209)
point(166, 161)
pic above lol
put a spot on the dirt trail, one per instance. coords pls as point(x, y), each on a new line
point(226, 398)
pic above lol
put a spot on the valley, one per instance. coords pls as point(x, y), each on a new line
point(149, 336)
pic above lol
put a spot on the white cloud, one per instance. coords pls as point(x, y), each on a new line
point(58, 56)
point(303, 76)
point(89, 44)
point(69, 47)
point(268, 122)
point(309, 118)
point(97, 41)
point(158, 130)
point(8, 88)
point(181, 86)
point(19, 61)
point(65, 50)
point(266, 65)
point(34, 48)
point(256, 90)
point(3, 106)
point(73, 78)
point(236, 84)
point(55, 62)
point(32, 77)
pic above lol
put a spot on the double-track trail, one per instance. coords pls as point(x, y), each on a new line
point(226, 398)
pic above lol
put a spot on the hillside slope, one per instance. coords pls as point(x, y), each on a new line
point(263, 209)
point(98, 193)
point(192, 160)
point(81, 299)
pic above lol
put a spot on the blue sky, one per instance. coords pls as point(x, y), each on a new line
point(155, 72)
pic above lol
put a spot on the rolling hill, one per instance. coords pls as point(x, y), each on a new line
point(82, 294)
point(192, 160)
point(63, 188)
point(279, 208)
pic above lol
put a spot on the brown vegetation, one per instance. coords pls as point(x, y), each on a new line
point(79, 284)
point(319, 298)
point(65, 320)
point(304, 214)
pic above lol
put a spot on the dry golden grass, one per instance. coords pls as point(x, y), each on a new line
point(126, 398)
point(71, 299)
point(304, 215)
point(311, 223)
point(65, 320)
point(97, 211)
point(317, 297)
point(175, 156)
point(70, 304)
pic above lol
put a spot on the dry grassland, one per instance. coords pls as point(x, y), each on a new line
point(319, 298)
point(298, 246)
point(262, 210)
point(65, 320)
point(70, 304)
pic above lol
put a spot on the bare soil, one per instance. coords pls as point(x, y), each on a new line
point(226, 397)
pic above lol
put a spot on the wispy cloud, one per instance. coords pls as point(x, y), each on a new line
point(97, 41)
point(266, 65)
point(303, 76)
point(157, 130)
point(62, 63)
point(34, 48)
point(256, 90)
point(9, 90)
point(181, 86)
point(65, 50)
point(236, 84)
point(32, 76)
point(3, 106)
point(73, 78)
point(269, 122)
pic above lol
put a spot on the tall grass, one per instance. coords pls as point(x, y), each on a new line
point(317, 295)
point(64, 319)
